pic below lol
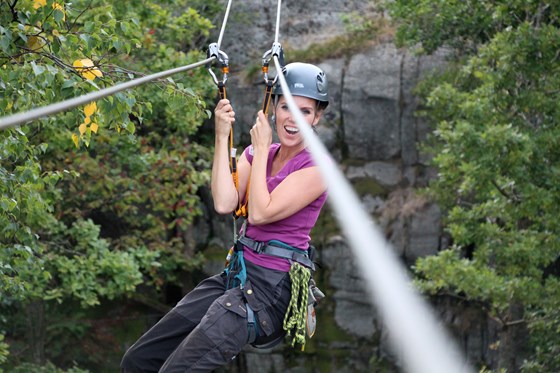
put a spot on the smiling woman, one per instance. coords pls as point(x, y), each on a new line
point(263, 294)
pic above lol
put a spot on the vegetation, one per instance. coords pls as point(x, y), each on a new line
point(495, 145)
point(95, 201)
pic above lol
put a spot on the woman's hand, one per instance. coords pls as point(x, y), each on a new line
point(261, 133)
point(224, 117)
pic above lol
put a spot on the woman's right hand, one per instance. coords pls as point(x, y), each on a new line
point(224, 117)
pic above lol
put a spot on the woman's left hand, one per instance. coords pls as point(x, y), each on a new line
point(261, 133)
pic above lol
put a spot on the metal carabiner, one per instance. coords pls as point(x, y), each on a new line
point(277, 51)
point(222, 58)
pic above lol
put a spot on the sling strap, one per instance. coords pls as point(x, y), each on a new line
point(278, 249)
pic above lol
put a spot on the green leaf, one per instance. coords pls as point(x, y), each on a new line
point(37, 70)
point(58, 15)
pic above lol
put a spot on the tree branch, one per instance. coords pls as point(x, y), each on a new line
point(13, 10)
point(513, 197)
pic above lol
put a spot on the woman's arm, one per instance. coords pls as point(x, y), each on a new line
point(295, 192)
point(224, 194)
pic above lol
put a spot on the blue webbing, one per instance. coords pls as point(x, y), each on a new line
point(237, 264)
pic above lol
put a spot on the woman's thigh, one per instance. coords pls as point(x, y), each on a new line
point(154, 347)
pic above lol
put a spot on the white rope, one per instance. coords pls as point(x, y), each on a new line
point(413, 329)
point(21, 118)
point(277, 33)
point(224, 24)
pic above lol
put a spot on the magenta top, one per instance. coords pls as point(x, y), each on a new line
point(293, 230)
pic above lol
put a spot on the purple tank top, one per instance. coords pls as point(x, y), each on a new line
point(293, 230)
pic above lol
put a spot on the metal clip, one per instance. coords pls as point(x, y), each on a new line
point(277, 51)
point(222, 58)
point(259, 246)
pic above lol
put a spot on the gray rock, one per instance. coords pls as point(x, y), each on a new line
point(371, 104)
point(384, 173)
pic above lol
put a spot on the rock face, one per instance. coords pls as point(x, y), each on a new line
point(372, 131)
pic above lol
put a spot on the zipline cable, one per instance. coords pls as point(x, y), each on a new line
point(51, 109)
point(224, 22)
point(278, 21)
point(414, 331)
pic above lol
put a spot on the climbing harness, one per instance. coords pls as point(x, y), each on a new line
point(299, 320)
point(279, 249)
point(223, 60)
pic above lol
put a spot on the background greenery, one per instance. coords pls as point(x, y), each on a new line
point(96, 203)
point(496, 118)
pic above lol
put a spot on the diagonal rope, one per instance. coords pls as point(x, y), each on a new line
point(22, 118)
point(414, 331)
point(44, 111)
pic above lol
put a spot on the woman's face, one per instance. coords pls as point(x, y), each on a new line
point(286, 127)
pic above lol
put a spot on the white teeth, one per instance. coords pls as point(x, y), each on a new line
point(291, 129)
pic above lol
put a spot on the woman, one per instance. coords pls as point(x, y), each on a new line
point(212, 323)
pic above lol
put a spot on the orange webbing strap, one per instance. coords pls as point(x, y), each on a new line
point(243, 209)
point(232, 150)
point(267, 96)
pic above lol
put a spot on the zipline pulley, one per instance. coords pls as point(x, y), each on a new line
point(223, 60)
point(277, 51)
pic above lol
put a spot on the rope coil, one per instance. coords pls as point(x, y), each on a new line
point(294, 319)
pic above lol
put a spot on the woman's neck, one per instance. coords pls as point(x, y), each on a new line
point(285, 154)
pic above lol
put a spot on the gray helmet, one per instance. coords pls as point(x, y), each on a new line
point(305, 80)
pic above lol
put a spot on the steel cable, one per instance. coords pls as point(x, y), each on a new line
point(277, 33)
point(224, 22)
point(22, 118)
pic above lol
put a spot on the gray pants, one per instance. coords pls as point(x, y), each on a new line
point(208, 327)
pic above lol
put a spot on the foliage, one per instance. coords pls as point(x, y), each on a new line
point(495, 146)
point(47, 368)
point(464, 25)
point(97, 200)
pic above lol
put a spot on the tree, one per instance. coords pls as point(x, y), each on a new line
point(94, 201)
point(497, 127)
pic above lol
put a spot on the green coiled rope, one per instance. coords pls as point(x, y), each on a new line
point(294, 320)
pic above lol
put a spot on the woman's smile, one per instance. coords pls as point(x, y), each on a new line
point(291, 130)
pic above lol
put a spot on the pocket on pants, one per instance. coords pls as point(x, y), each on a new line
point(225, 323)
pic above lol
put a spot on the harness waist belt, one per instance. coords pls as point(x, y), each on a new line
point(295, 254)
